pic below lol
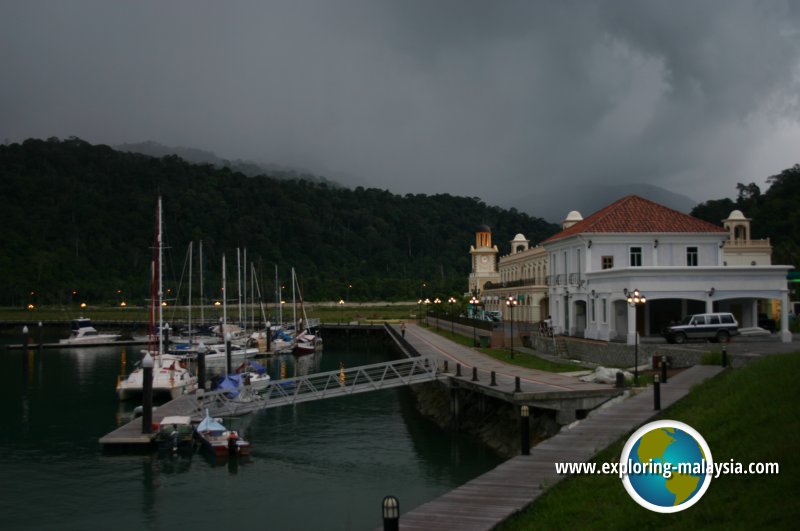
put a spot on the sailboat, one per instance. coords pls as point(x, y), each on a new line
point(169, 377)
point(307, 340)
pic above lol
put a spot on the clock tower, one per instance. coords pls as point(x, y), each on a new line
point(484, 260)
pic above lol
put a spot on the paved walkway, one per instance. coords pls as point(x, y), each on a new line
point(428, 343)
point(486, 501)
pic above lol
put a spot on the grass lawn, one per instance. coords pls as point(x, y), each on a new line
point(327, 313)
point(747, 415)
point(503, 354)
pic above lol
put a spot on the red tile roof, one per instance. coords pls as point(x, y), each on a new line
point(636, 214)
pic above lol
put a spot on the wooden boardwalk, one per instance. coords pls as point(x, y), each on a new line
point(486, 501)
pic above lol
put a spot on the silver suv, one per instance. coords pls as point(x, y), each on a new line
point(712, 326)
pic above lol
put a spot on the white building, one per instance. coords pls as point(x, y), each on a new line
point(678, 262)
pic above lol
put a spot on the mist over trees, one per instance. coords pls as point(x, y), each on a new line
point(81, 217)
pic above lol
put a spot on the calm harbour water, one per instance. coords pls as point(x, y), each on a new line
point(317, 466)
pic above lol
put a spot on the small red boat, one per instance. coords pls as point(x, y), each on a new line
point(218, 439)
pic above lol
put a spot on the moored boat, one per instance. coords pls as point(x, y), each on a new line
point(83, 333)
point(219, 440)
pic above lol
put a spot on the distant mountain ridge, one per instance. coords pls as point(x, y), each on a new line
point(245, 167)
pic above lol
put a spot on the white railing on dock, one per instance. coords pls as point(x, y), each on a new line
point(320, 386)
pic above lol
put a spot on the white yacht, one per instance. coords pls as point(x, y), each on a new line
point(83, 333)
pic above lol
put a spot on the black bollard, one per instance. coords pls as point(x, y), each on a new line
point(663, 369)
point(201, 366)
point(147, 394)
point(494, 379)
point(656, 393)
point(620, 380)
point(724, 356)
point(517, 386)
point(445, 366)
point(458, 369)
point(391, 514)
point(524, 430)
point(228, 353)
point(474, 374)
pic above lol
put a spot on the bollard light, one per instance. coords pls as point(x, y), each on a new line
point(391, 513)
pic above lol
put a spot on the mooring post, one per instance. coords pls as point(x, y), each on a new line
point(391, 514)
point(517, 386)
point(474, 374)
point(228, 353)
point(494, 380)
point(724, 356)
point(663, 369)
point(445, 366)
point(620, 380)
point(656, 392)
point(147, 393)
point(524, 430)
point(201, 365)
point(458, 369)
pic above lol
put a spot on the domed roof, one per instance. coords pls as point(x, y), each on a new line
point(736, 214)
point(574, 216)
point(520, 238)
point(483, 228)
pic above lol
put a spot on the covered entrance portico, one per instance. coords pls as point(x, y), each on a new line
point(672, 293)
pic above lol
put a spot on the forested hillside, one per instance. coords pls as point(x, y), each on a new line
point(81, 217)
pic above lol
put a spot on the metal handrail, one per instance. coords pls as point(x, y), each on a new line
point(319, 386)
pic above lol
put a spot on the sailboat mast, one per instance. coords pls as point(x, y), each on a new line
point(244, 287)
point(160, 288)
point(278, 294)
point(224, 301)
point(190, 291)
point(202, 299)
point(294, 305)
point(239, 284)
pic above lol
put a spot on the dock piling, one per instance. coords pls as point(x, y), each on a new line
point(517, 386)
point(147, 393)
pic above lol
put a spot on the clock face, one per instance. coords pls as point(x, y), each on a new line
point(484, 259)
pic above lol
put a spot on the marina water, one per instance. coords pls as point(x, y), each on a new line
point(317, 466)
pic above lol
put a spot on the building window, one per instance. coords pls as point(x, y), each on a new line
point(607, 262)
point(636, 256)
point(691, 256)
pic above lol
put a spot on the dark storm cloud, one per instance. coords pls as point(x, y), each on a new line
point(514, 102)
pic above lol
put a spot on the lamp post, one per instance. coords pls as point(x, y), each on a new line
point(511, 302)
point(474, 302)
point(419, 311)
point(636, 299)
point(427, 309)
point(341, 310)
point(391, 514)
point(452, 300)
point(437, 301)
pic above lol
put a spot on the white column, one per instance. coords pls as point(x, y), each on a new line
point(786, 335)
point(709, 303)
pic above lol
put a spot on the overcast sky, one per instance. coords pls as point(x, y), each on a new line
point(494, 99)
